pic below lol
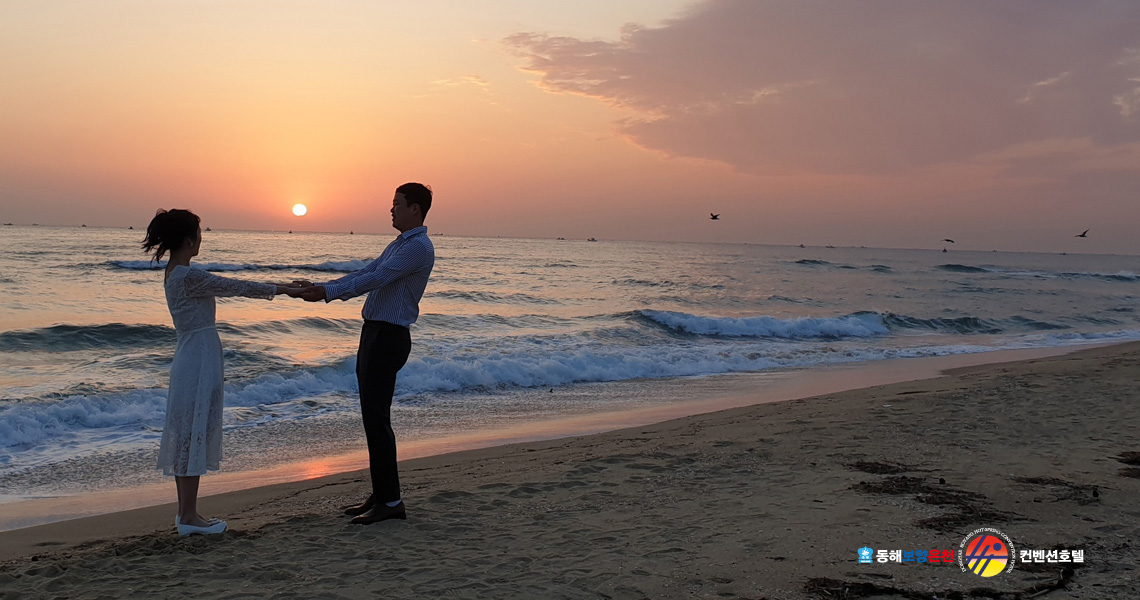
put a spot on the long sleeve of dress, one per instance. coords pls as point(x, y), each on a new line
point(203, 283)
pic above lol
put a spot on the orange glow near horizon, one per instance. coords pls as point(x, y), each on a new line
point(549, 119)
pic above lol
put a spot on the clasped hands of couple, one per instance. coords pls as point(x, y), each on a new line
point(304, 290)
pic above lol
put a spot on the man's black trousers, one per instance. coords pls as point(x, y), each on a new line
point(384, 349)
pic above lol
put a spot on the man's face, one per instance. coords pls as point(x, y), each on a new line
point(404, 216)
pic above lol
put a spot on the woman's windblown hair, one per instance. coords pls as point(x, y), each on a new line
point(168, 230)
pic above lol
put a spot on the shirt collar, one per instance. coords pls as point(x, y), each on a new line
point(413, 231)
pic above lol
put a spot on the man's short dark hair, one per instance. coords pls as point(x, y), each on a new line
point(417, 193)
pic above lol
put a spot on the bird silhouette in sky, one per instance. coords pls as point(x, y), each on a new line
point(949, 240)
point(1084, 233)
point(714, 216)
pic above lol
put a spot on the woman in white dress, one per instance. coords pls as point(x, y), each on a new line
point(192, 436)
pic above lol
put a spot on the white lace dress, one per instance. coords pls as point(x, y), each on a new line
point(192, 437)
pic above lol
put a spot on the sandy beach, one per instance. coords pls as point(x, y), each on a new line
point(764, 501)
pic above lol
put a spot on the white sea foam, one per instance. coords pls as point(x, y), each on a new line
point(26, 424)
point(288, 395)
point(1123, 276)
point(858, 325)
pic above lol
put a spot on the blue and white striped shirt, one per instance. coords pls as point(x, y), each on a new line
point(395, 282)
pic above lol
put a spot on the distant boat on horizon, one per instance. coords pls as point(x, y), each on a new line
point(131, 227)
point(591, 240)
point(83, 225)
point(208, 229)
point(8, 224)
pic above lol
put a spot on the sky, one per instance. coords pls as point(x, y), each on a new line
point(1010, 125)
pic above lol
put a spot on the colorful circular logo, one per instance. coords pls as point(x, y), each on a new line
point(986, 552)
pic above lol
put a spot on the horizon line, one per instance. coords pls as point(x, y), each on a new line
point(488, 237)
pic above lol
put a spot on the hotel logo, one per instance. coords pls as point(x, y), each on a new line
point(986, 552)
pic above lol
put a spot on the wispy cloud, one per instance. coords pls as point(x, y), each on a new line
point(462, 83)
point(466, 80)
point(1129, 102)
point(1040, 86)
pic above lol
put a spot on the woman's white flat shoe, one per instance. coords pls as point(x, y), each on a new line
point(212, 528)
point(178, 520)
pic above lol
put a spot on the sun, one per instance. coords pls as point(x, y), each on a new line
point(300, 210)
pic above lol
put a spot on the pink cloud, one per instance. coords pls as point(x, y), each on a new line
point(878, 87)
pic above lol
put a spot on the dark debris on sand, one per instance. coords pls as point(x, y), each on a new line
point(1133, 472)
point(966, 507)
point(1129, 458)
point(879, 468)
point(823, 587)
point(1080, 493)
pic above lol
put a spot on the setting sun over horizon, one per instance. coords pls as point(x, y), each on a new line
point(629, 120)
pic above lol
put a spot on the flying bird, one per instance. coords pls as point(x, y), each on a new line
point(949, 240)
point(1084, 233)
point(714, 216)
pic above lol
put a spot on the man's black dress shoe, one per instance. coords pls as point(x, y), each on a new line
point(381, 512)
point(362, 508)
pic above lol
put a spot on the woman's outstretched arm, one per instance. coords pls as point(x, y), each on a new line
point(202, 283)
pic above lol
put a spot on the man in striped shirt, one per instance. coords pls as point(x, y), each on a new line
point(395, 283)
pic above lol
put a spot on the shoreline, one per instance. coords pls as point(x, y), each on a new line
point(761, 501)
point(714, 393)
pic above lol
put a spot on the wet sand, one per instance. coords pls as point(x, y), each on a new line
point(763, 501)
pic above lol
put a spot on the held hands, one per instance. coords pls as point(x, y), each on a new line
point(314, 293)
point(302, 289)
point(288, 289)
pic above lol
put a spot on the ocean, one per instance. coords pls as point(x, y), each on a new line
point(511, 330)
